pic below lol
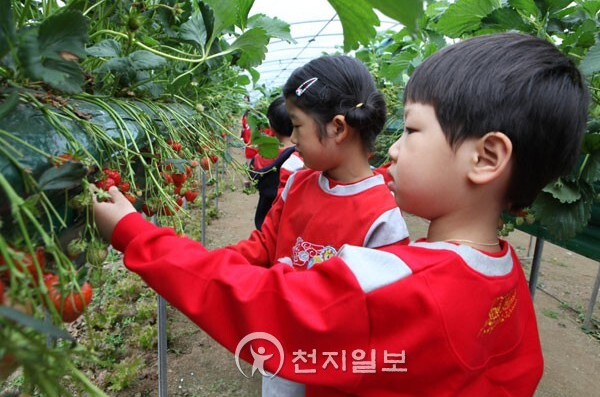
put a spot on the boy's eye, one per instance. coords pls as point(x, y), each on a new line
point(408, 130)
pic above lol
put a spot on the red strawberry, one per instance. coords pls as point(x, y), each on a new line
point(178, 179)
point(205, 163)
point(124, 186)
point(70, 304)
point(191, 195)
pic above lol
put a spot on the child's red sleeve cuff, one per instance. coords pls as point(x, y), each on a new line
point(129, 227)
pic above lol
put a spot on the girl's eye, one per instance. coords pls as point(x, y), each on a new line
point(408, 130)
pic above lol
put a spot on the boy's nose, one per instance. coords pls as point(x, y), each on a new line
point(393, 151)
point(293, 137)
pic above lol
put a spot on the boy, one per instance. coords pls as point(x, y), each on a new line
point(270, 174)
point(489, 122)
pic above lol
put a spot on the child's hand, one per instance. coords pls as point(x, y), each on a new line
point(109, 213)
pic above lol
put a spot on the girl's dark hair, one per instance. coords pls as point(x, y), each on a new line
point(512, 83)
point(343, 86)
point(278, 116)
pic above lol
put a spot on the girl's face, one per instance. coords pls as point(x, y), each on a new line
point(317, 152)
point(427, 173)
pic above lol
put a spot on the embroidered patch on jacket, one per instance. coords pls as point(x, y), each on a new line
point(501, 311)
point(306, 254)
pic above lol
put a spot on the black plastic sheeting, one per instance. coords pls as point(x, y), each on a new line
point(31, 125)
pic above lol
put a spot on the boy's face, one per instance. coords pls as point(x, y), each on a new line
point(428, 175)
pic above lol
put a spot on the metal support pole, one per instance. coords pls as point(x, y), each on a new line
point(162, 339)
point(162, 347)
point(587, 323)
point(535, 265)
point(217, 185)
point(203, 207)
point(531, 245)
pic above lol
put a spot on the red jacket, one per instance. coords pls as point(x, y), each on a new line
point(426, 319)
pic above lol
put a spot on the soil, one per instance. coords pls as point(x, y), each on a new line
point(198, 366)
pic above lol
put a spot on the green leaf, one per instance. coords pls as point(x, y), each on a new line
point(253, 47)
point(63, 33)
point(145, 60)
point(394, 69)
point(591, 171)
point(408, 13)
point(465, 16)
point(255, 75)
point(194, 30)
point(116, 65)
point(563, 191)
point(42, 327)
point(66, 176)
point(7, 27)
point(224, 14)
point(527, 6)
point(358, 21)
point(563, 221)
point(268, 146)
point(591, 63)
point(9, 104)
point(49, 53)
point(505, 19)
point(557, 5)
point(273, 26)
point(106, 48)
point(243, 80)
point(244, 7)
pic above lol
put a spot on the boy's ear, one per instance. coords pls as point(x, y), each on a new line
point(491, 157)
point(340, 128)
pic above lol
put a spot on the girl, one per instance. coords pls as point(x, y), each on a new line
point(336, 112)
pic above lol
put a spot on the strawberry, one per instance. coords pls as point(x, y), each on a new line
point(71, 303)
point(96, 253)
point(149, 212)
point(75, 248)
point(114, 174)
point(178, 179)
point(205, 163)
point(191, 195)
point(105, 183)
point(214, 158)
point(179, 201)
point(176, 146)
point(61, 159)
point(194, 163)
point(124, 186)
point(132, 199)
point(24, 261)
point(1, 292)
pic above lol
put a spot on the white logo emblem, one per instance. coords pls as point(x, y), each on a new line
point(259, 357)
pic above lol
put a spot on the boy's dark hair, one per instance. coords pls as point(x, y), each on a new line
point(279, 118)
point(343, 86)
point(513, 83)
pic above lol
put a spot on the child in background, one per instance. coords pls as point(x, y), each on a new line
point(488, 123)
point(269, 174)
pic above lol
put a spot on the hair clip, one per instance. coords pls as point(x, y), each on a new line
point(360, 105)
point(305, 86)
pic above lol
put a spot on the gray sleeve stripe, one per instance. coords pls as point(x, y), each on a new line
point(287, 187)
point(373, 268)
point(293, 163)
point(389, 228)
